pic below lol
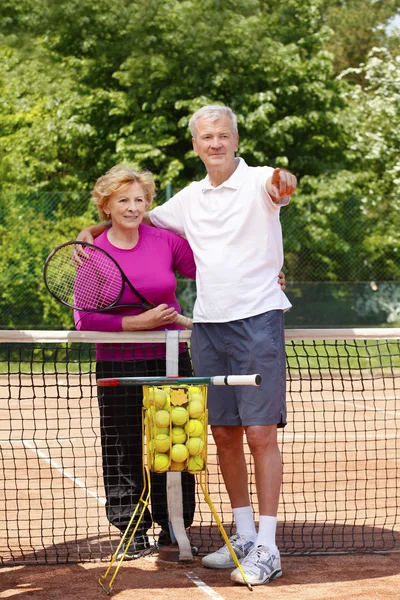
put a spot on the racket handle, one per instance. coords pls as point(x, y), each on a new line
point(185, 321)
point(236, 379)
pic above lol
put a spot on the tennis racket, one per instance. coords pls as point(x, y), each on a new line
point(85, 277)
point(254, 380)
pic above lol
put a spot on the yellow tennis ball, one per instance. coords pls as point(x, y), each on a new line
point(162, 442)
point(175, 466)
point(162, 430)
point(151, 412)
point(162, 418)
point(179, 415)
point(178, 435)
point(161, 463)
point(193, 389)
point(196, 409)
point(195, 463)
point(148, 423)
point(195, 446)
point(160, 398)
point(194, 428)
point(179, 453)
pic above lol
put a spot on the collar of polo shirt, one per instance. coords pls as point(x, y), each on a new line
point(233, 182)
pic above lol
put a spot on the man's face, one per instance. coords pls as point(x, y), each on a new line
point(215, 142)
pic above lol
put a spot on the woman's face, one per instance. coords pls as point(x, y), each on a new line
point(127, 207)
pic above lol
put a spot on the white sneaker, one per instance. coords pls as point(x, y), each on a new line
point(259, 566)
point(222, 559)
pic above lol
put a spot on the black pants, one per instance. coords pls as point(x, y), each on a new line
point(121, 440)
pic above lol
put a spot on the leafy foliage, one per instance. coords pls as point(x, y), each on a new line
point(23, 296)
point(358, 26)
point(87, 84)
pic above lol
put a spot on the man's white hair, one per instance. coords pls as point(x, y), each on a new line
point(213, 112)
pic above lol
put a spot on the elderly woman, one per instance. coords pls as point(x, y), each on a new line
point(149, 257)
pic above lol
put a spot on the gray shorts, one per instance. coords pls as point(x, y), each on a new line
point(246, 346)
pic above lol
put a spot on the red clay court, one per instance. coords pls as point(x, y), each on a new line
point(340, 508)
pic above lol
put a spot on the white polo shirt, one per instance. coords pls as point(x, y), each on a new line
point(235, 234)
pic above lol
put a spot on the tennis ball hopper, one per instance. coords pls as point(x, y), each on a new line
point(168, 403)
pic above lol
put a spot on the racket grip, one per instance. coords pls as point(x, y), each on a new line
point(185, 321)
point(236, 379)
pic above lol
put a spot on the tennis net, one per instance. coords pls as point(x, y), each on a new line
point(341, 447)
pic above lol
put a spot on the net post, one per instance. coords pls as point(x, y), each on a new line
point(174, 479)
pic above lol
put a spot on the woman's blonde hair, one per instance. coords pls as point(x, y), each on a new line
point(119, 178)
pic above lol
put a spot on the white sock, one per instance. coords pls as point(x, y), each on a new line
point(244, 521)
point(267, 532)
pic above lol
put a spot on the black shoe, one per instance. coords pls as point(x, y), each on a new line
point(164, 539)
point(138, 547)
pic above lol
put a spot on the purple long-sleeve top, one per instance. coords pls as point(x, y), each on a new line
point(150, 266)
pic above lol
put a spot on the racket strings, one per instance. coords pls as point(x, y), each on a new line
point(93, 283)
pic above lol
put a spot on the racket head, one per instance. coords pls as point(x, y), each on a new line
point(84, 277)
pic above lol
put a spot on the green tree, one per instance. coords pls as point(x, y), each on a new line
point(373, 122)
point(47, 141)
point(109, 81)
point(347, 222)
point(86, 85)
point(26, 239)
point(358, 26)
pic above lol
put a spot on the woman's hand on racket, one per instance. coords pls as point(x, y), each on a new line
point(158, 316)
point(79, 254)
point(86, 236)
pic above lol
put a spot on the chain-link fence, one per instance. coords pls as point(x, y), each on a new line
point(334, 276)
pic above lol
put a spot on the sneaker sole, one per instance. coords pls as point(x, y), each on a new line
point(215, 566)
point(274, 575)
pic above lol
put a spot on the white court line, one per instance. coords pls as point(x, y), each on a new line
point(357, 404)
point(338, 436)
point(306, 436)
point(203, 586)
point(307, 396)
point(55, 465)
point(367, 407)
point(393, 413)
